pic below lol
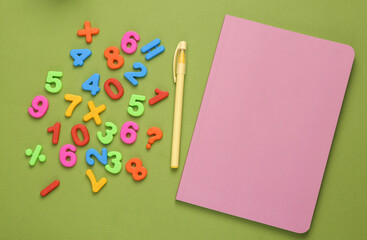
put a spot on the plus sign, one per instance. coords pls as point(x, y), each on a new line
point(88, 32)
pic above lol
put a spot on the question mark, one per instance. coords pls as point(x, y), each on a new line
point(158, 135)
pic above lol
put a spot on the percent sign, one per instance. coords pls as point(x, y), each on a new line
point(36, 154)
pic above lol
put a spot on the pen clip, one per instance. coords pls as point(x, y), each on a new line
point(175, 65)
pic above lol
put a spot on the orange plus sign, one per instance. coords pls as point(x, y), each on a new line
point(94, 113)
point(88, 32)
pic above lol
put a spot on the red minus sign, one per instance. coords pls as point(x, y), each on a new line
point(50, 188)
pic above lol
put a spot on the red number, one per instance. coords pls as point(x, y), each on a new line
point(85, 133)
point(118, 86)
point(56, 132)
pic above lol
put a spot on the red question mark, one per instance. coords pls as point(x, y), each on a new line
point(158, 135)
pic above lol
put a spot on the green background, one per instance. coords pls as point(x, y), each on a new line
point(36, 37)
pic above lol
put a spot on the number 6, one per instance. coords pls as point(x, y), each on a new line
point(68, 151)
point(130, 38)
point(126, 130)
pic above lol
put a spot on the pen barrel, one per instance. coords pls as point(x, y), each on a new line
point(177, 121)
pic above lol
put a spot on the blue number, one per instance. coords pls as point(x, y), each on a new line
point(93, 152)
point(91, 84)
point(79, 56)
point(132, 75)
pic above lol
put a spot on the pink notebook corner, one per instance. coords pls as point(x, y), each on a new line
point(266, 124)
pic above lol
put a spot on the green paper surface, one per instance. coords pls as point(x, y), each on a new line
point(37, 36)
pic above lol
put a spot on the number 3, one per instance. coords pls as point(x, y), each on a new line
point(116, 162)
point(110, 133)
point(52, 78)
point(135, 101)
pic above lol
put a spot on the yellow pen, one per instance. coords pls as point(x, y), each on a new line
point(179, 70)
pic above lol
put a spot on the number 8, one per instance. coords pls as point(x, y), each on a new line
point(130, 38)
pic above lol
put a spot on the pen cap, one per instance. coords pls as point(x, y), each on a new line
point(180, 65)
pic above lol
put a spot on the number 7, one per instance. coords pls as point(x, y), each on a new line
point(75, 100)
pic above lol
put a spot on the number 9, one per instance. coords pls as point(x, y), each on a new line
point(39, 107)
point(130, 38)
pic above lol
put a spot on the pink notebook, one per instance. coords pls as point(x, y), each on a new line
point(266, 124)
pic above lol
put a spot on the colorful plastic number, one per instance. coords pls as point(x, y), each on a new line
point(94, 113)
point(74, 134)
point(135, 101)
point(116, 161)
point(152, 49)
point(161, 95)
point(92, 84)
point(53, 78)
point(118, 86)
point(55, 129)
point(75, 100)
point(88, 32)
point(128, 132)
point(96, 186)
point(100, 157)
point(135, 167)
point(110, 133)
point(67, 155)
point(132, 75)
point(114, 60)
point(79, 56)
point(130, 38)
point(39, 107)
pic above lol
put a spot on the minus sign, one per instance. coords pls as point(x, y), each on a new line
point(50, 188)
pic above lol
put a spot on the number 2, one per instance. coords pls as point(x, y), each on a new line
point(135, 101)
point(132, 75)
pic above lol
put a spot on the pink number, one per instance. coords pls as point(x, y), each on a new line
point(68, 151)
point(39, 107)
point(130, 38)
point(128, 134)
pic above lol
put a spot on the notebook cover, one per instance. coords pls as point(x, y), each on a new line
point(266, 124)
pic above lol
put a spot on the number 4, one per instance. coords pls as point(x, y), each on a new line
point(91, 84)
point(135, 101)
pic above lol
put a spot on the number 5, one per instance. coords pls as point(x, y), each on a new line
point(52, 78)
point(135, 101)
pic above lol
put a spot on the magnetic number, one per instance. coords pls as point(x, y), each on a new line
point(52, 78)
point(85, 133)
point(128, 132)
point(55, 129)
point(135, 101)
point(118, 86)
point(79, 56)
point(130, 38)
point(116, 161)
point(92, 84)
point(39, 107)
point(96, 186)
point(132, 75)
point(100, 157)
point(135, 167)
point(114, 60)
point(110, 133)
point(67, 155)
point(75, 100)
